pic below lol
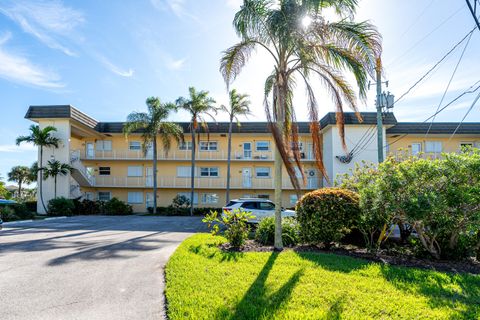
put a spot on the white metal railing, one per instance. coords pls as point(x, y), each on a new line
point(200, 182)
point(78, 165)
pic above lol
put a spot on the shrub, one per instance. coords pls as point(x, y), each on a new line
point(22, 211)
point(8, 214)
point(265, 233)
point(235, 223)
point(117, 207)
point(172, 211)
point(31, 206)
point(60, 207)
point(326, 215)
point(87, 207)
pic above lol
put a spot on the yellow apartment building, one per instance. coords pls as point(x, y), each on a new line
point(107, 165)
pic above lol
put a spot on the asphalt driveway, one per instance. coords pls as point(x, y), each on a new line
point(88, 267)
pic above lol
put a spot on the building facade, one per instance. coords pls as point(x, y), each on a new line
point(107, 164)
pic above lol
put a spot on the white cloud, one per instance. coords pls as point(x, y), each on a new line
point(51, 22)
point(12, 148)
point(114, 68)
point(16, 68)
point(175, 64)
point(177, 7)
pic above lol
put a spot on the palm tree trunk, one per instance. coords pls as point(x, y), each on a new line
point(229, 156)
point(155, 175)
point(41, 180)
point(55, 187)
point(19, 188)
point(192, 172)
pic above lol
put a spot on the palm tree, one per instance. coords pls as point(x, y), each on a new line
point(152, 124)
point(20, 175)
point(197, 105)
point(33, 172)
point(54, 169)
point(302, 45)
point(41, 138)
point(239, 106)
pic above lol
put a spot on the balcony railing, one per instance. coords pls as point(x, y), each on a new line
point(125, 154)
point(205, 183)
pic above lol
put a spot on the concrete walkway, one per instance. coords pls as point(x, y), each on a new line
point(92, 267)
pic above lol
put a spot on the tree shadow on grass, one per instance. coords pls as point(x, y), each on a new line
point(441, 289)
point(206, 251)
point(257, 303)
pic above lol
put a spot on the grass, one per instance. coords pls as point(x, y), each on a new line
point(205, 283)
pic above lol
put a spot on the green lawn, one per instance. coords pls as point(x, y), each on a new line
point(206, 283)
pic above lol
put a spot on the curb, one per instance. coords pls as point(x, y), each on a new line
point(26, 221)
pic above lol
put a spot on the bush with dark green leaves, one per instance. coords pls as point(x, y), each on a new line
point(60, 207)
point(22, 211)
point(265, 233)
point(87, 207)
point(326, 215)
point(117, 207)
point(8, 214)
point(31, 205)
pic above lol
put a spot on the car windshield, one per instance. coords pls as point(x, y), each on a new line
point(231, 203)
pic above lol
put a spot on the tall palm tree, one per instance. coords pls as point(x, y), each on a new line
point(153, 125)
point(41, 138)
point(20, 175)
point(302, 45)
point(198, 105)
point(54, 169)
point(239, 106)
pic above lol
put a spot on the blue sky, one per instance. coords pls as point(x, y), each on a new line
point(106, 57)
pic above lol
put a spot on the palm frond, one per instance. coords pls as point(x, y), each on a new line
point(234, 59)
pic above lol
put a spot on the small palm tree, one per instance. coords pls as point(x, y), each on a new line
point(54, 169)
point(152, 124)
point(41, 138)
point(302, 45)
point(239, 106)
point(33, 172)
point(197, 105)
point(20, 175)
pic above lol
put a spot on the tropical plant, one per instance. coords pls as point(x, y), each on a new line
point(235, 223)
point(302, 45)
point(61, 207)
point(115, 206)
point(239, 106)
point(20, 175)
point(153, 125)
point(54, 169)
point(33, 172)
point(265, 233)
point(198, 105)
point(41, 138)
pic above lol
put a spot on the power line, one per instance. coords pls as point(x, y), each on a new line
point(417, 19)
point(435, 66)
point(465, 116)
point(450, 81)
point(473, 10)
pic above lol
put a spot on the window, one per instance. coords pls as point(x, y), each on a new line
point(187, 195)
point(187, 145)
point(135, 171)
point(266, 206)
point(262, 172)
point(209, 172)
point(104, 171)
point(208, 145)
point(416, 148)
point(249, 205)
point(135, 145)
point(135, 197)
point(262, 145)
point(104, 145)
point(89, 196)
point(466, 146)
point(104, 195)
point(299, 146)
point(210, 198)
point(293, 199)
point(433, 146)
point(263, 196)
point(184, 172)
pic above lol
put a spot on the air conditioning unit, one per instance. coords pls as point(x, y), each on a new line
point(311, 173)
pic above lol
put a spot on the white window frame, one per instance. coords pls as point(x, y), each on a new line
point(89, 196)
point(186, 145)
point(418, 144)
point(100, 173)
point(263, 141)
point(471, 144)
point(134, 145)
point(210, 198)
point(435, 145)
point(208, 146)
point(257, 169)
point(105, 192)
point(211, 172)
point(135, 197)
point(187, 195)
point(293, 199)
point(184, 171)
point(103, 145)
point(135, 171)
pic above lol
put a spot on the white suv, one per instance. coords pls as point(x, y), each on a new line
point(260, 208)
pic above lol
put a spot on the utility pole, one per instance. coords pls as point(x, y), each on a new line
point(379, 110)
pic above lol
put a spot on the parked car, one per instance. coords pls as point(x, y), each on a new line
point(260, 208)
point(1, 223)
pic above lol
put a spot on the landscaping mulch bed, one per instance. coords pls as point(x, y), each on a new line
point(383, 257)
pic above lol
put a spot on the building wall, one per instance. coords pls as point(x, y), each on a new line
point(403, 144)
